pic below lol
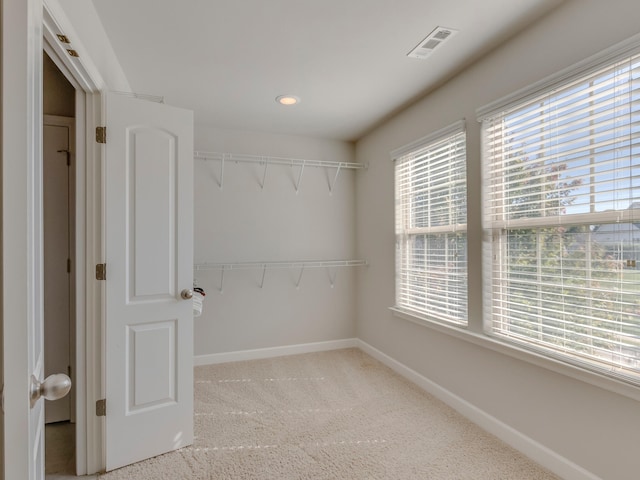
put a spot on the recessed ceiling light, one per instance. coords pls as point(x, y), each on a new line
point(287, 100)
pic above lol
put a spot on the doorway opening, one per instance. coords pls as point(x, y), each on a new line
point(59, 225)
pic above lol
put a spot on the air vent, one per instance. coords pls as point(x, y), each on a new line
point(431, 42)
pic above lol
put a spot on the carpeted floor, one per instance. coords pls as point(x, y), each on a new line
point(328, 415)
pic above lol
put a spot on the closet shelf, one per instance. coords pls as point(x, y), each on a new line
point(302, 265)
point(266, 160)
point(296, 264)
point(261, 159)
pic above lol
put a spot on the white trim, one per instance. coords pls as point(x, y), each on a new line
point(85, 78)
point(80, 245)
point(620, 50)
point(94, 291)
point(536, 451)
point(538, 359)
point(454, 128)
point(271, 352)
point(80, 71)
point(90, 225)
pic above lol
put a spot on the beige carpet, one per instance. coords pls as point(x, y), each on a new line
point(329, 415)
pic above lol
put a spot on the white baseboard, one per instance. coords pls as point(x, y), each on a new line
point(260, 353)
point(529, 447)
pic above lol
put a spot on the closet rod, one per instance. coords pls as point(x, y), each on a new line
point(297, 264)
point(261, 159)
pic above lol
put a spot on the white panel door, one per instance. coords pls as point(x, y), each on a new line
point(21, 237)
point(149, 257)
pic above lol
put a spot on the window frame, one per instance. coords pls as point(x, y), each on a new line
point(399, 158)
point(475, 334)
point(492, 227)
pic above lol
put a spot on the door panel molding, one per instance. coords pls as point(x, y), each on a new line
point(152, 177)
point(152, 377)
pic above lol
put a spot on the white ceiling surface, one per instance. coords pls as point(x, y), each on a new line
point(346, 59)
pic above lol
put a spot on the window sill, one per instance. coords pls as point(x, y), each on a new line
point(573, 371)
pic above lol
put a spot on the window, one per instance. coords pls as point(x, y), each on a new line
point(561, 207)
point(431, 217)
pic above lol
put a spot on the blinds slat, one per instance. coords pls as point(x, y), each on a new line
point(561, 204)
point(430, 186)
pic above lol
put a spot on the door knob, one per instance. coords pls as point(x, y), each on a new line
point(53, 387)
point(186, 294)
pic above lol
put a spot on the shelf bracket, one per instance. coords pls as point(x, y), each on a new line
point(221, 182)
point(264, 271)
point(300, 277)
point(221, 289)
point(332, 278)
point(335, 179)
point(264, 173)
point(300, 175)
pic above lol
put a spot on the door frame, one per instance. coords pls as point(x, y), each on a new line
point(28, 27)
point(89, 239)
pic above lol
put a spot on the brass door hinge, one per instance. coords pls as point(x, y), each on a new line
point(101, 408)
point(101, 271)
point(101, 134)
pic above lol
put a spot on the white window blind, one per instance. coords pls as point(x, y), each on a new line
point(431, 217)
point(561, 205)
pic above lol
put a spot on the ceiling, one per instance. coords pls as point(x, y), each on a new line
point(346, 59)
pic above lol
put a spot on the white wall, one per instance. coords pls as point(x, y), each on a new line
point(244, 223)
point(79, 21)
point(592, 427)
